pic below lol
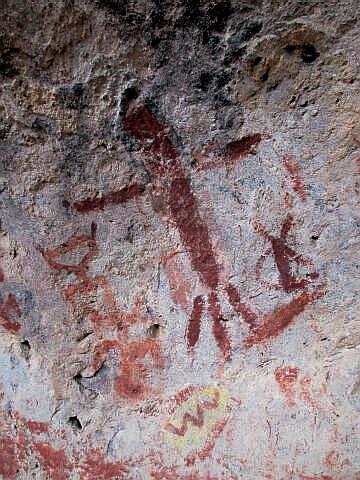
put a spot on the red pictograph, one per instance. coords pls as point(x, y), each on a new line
point(196, 420)
point(167, 170)
point(130, 381)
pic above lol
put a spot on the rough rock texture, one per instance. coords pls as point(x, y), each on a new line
point(179, 240)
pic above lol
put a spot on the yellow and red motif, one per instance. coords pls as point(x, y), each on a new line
point(199, 419)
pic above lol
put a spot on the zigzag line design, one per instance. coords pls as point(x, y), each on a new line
point(198, 420)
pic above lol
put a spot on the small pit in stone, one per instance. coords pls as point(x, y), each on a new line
point(154, 330)
point(25, 349)
point(75, 423)
point(309, 53)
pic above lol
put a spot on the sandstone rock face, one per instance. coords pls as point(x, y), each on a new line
point(179, 240)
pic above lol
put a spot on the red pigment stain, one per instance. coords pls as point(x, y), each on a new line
point(239, 148)
point(5, 308)
point(210, 443)
point(2, 277)
point(286, 377)
point(8, 458)
point(163, 161)
point(69, 246)
point(95, 467)
point(130, 382)
point(194, 234)
point(332, 458)
point(113, 198)
point(180, 398)
point(283, 256)
point(317, 477)
point(196, 420)
point(305, 395)
point(36, 427)
point(54, 461)
point(241, 308)
point(221, 336)
point(274, 323)
point(293, 169)
point(180, 288)
point(193, 327)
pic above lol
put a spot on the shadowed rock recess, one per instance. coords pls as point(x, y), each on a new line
point(179, 240)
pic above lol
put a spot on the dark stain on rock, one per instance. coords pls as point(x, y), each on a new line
point(309, 53)
point(74, 97)
point(243, 146)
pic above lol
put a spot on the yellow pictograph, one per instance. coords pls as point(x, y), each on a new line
point(196, 417)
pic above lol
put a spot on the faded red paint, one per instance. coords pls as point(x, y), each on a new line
point(239, 148)
point(113, 198)
point(196, 420)
point(219, 330)
point(332, 459)
point(306, 395)
point(96, 467)
point(180, 287)
point(130, 382)
point(69, 246)
point(274, 323)
point(180, 398)
point(205, 452)
point(36, 427)
point(8, 458)
point(293, 169)
point(317, 477)
point(286, 378)
point(241, 308)
point(2, 276)
point(163, 161)
point(283, 256)
point(5, 308)
point(55, 462)
point(194, 324)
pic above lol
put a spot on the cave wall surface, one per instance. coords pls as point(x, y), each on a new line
point(179, 240)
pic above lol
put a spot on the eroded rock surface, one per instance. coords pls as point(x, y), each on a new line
point(179, 240)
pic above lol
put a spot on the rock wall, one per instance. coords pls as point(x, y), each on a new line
point(179, 240)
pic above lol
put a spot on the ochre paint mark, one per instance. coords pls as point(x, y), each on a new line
point(286, 378)
point(305, 395)
point(8, 458)
point(293, 169)
point(283, 256)
point(181, 397)
point(165, 165)
point(205, 452)
point(113, 198)
point(180, 287)
point(240, 307)
point(196, 420)
point(96, 467)
point(54, 461)
point(219, 330)
point(5, 308)
point(129, 382)
point(274, 323)
point(36, 427)
point(2, 276)
point(239, 148)
point(194, 323)
point(69, 246)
